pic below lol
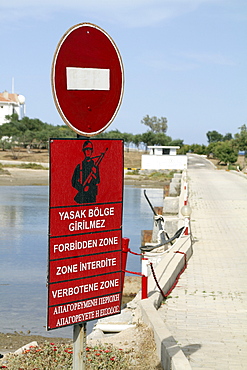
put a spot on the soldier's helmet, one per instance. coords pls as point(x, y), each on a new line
point(87, 145)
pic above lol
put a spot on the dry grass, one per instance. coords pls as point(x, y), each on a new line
point(23, 155)
point(132, 159)
point(145, 357)
point(139, 343)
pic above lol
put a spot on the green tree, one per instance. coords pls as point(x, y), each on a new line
point(113, 134)
point(177, 142)
point(184, 149)
point(225, 152)
point(32, 132)
point(161, 139)
point(157, 125)
point(198, 149)
point(128, 139)
point(210, 149)
point(241, 138)
point(148, 138)
point(227, 137)
point(137, 139)
point(214, 136)
point(10, 128)
point(116, 134)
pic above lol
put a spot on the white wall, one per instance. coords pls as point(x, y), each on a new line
point(164, 162)
point(7, 109)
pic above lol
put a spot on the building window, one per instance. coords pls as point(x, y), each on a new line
point(165, 151)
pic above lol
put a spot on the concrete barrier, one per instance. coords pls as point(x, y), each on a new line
point(169, 353)
point(167, 273)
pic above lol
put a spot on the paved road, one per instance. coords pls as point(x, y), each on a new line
point(207, 313)
point(199, 163)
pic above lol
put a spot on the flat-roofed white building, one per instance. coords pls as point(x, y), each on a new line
point(163, 158)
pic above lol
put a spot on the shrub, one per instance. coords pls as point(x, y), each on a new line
point(51, 356)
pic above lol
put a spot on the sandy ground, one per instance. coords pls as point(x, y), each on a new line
point(17, 176)
point(10, 342)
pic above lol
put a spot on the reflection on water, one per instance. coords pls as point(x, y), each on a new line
point(23, 248)
point(138, 216)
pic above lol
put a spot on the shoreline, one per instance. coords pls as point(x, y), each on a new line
point(23, 177)
point(30, 177)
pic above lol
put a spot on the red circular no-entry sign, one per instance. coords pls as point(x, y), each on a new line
point(87, 79)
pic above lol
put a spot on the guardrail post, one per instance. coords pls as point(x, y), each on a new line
point(125, 250)
point(186, 212)
point(144, 277)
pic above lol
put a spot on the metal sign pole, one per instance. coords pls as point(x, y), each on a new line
point(79, 346)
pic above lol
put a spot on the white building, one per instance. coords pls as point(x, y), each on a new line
point(163, 150)
point(9, 104)
point(163, 158)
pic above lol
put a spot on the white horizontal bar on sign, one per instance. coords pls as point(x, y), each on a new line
point(87, 78)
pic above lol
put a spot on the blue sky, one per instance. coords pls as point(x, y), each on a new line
point(185, 60)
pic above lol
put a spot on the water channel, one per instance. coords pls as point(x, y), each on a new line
point(23, 248)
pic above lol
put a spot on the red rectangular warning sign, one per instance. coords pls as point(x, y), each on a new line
point(85, 230)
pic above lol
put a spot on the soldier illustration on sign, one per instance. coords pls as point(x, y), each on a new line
point(86, 175)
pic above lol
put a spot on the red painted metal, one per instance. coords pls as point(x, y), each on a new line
point(85, 265)
point(125, 250)
point(85, 239)
point(144, 287)
point(110, 216)
point(86, 46)
point(66, 154)
point(186, 231)
point(84, 288)
point(71, 246)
